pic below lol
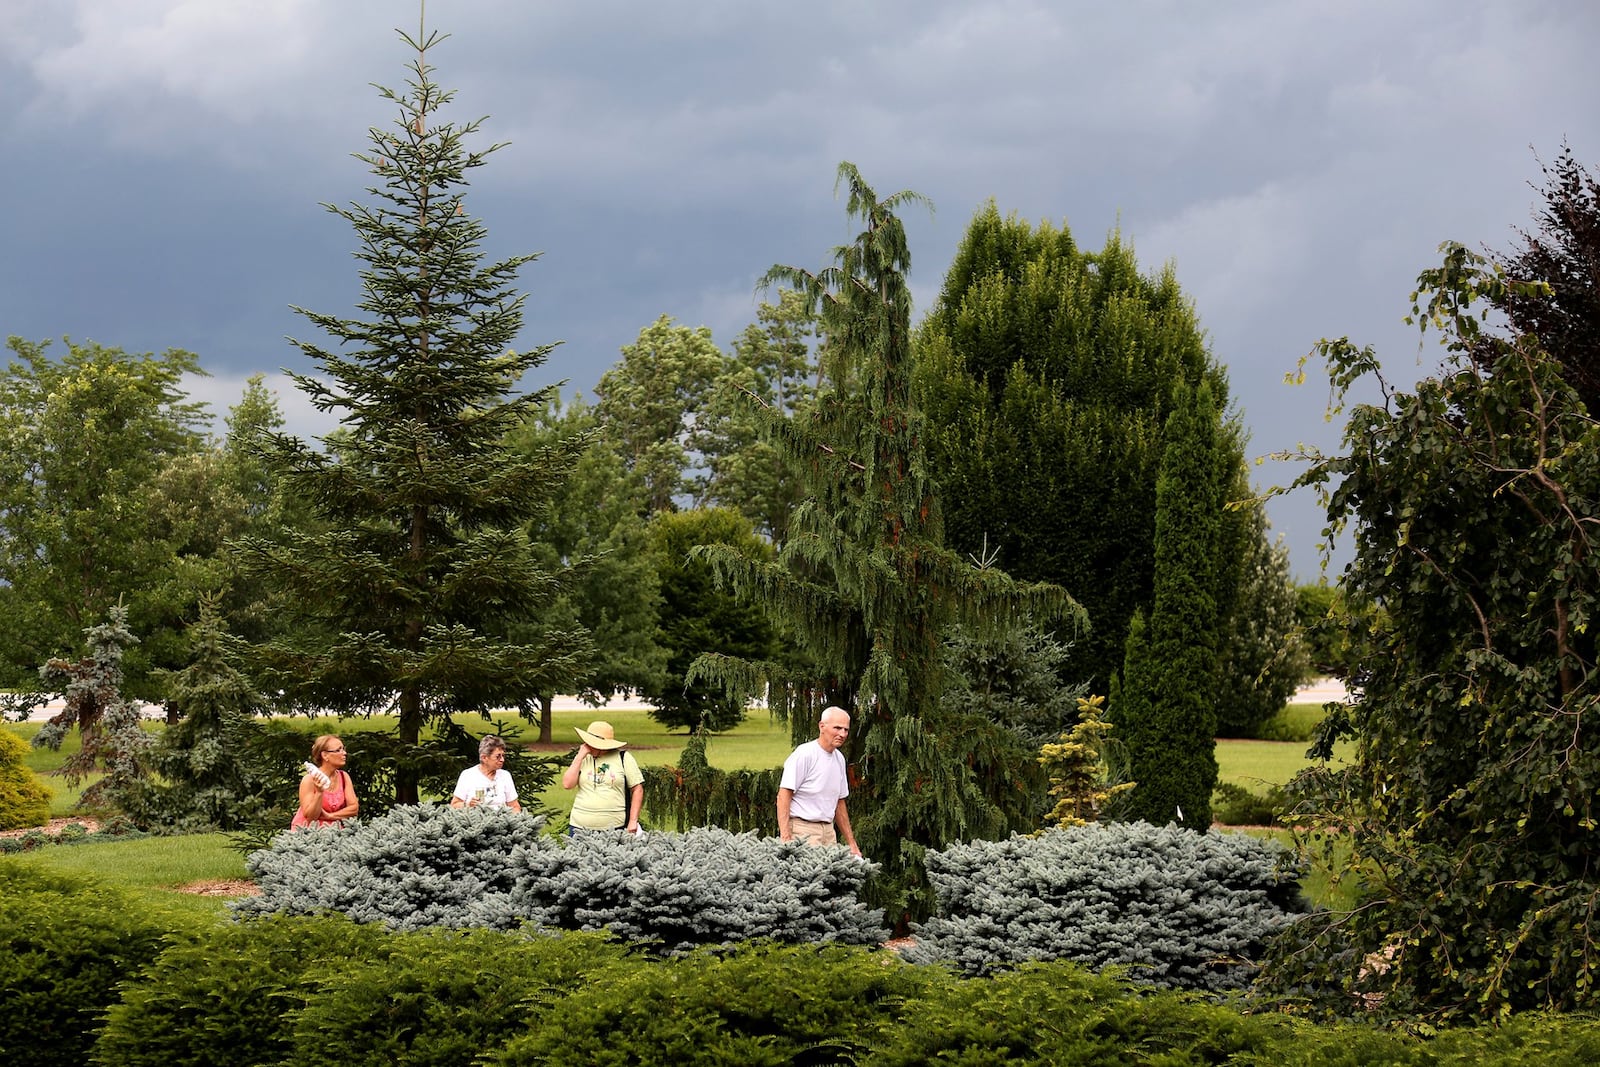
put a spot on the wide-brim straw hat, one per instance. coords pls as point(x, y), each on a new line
point(600, 735)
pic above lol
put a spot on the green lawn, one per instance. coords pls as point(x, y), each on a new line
point(151, 868)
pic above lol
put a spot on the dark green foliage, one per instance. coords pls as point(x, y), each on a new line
point(421, 867)
point(65, 943)
point(200, 782)
point(321, 989)
point(698, 618)
point(1564, 253)
point(1054, 1014)
point(231, 994)
point(410, 595)
point(1164, 702)
point(1177, 908)
point(441, 998)
point(1047, 372)
point(757, 1006)
point(1234, 805)
point(1470, 806)
point(1012, 678)
point(24, 800)
point(1318, 609)
point(694, 793)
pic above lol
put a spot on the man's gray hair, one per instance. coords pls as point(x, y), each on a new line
point(490, 744)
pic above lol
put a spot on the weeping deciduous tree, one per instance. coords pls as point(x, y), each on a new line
point(864, 583)
point(425, 566)
point(1469, 811)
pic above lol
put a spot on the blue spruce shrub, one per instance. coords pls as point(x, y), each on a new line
point(1178, 909)
point(416, 868)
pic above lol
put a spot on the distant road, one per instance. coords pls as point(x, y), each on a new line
point(1320, 691)
point(561, 703)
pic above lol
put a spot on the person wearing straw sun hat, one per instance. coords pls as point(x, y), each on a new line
point(608, 780)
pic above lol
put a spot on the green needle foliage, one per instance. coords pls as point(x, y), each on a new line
point(864, 583)
point(1164, 701)
point(426, 564)
point(1049, 370)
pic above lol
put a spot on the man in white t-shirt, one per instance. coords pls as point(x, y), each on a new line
point(811, 795)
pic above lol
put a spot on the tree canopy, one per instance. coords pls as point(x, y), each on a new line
point(94, 445)
point(1048, 373)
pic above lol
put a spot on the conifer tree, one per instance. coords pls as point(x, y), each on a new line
point(864, 583)
point(426, 564)
point(1048, 371)
point(202, 783)
point(1164, 704)
point(110, 739)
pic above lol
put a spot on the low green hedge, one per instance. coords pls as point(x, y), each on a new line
point(65, 943)
point(298, 990)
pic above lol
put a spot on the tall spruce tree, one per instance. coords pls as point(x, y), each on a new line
point(1164, 702)
point(425, 566)
point(864, 583)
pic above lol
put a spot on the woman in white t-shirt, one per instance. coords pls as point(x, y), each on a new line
point(487, 784)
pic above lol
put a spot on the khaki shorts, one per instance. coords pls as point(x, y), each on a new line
point(812, 833)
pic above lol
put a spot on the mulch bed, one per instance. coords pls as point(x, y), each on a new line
point(55, 826)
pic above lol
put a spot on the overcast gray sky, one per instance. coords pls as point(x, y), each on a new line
point(1298, 162)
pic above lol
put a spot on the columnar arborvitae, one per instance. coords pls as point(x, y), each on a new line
point(864, 582)
point(1164, 703)
point(425, 565)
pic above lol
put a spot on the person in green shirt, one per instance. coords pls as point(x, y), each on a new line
point(608, 780)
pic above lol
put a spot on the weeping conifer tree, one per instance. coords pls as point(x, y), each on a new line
point(865, 585)
point(405, 601)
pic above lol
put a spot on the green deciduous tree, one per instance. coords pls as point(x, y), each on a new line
point(864, 583)
point(595, 526)
point(648, 401)
point(1472, 803)
point(1164, 702)
point(425, 567)
point(698, 618)
point(1261, 658)
point(1047, 372)
point(771, 364)
point(91, 444)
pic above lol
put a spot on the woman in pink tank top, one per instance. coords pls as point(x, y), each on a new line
point(327, 796)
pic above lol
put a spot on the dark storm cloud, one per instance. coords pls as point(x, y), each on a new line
point(1297, 162)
